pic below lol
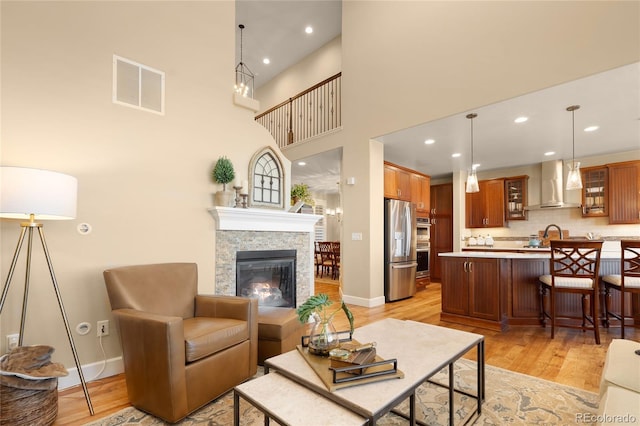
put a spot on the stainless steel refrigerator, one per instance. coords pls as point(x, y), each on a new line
point(400, 250)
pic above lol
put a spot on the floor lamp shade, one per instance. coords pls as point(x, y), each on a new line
point(45, 194)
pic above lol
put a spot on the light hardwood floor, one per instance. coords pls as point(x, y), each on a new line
point(571, 358)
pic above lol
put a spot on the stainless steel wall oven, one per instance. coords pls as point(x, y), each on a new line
point(423, 247)
point(423, 262)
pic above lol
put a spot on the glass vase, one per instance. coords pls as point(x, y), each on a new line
point(323, 338)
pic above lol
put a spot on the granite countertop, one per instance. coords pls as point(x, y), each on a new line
point(507, 248)
point(500, 253)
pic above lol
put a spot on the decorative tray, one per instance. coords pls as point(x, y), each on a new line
point(338, 378)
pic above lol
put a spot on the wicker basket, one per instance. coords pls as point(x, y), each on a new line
point(29, 406)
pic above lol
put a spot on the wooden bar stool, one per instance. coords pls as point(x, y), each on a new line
point(628, 281)
point(574, 269)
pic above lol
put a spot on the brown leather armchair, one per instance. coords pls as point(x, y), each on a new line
point(181, 350)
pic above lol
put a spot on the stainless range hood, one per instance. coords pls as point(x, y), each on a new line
point(551, 187)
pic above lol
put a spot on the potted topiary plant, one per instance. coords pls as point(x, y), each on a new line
point(301, 192)
point(323, 336)
point(223, 173)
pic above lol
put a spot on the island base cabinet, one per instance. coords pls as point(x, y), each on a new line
point(455, 286)
point(473, 292)
point(524, 293)
point(498, 293)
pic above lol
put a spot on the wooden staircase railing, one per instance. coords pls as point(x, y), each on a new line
point(310, 113)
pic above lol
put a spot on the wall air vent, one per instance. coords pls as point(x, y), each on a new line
point(138, 86)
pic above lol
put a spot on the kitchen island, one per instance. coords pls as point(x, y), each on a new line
point(499, 289)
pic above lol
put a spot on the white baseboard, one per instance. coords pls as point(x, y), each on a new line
point(92, 372)
point(360, 301)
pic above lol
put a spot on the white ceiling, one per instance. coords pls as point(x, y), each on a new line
point(610, 100)
point(275, 29)
point(320, 172)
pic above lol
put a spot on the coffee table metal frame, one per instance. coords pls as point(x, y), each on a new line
point(422, 351)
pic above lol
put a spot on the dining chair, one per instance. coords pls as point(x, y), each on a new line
point(574, 268)
point(326, 265)
point(626, 282)
point(317, 258)
point(335, 252)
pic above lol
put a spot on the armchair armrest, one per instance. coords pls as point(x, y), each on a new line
point(218, 306)
point(153, 352)
point(240, 308)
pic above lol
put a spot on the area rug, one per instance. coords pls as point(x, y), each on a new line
point(511, 398)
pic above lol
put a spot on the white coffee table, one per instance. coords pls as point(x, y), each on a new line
point(289, 403)
point(422, 350)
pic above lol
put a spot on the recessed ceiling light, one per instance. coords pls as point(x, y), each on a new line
point(520, 119)
point(429, 142)
point(548, 153)
point(308, 30)
point(591, 128)
point(456, 155)
point(301, 163)
point(266, 61)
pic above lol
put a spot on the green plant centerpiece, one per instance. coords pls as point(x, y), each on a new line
point(323, 336)
point(223, 173)
point(301, 192)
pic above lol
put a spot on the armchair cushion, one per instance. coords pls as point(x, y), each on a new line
point(205, 336)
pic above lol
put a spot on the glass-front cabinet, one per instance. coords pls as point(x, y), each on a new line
point(595, 182)
point(516, 197)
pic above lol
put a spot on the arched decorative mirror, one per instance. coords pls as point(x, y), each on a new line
point(266, 187)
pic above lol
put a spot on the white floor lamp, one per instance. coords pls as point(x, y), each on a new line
point(35, 194)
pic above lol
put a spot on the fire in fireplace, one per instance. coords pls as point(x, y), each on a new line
point(268, 275)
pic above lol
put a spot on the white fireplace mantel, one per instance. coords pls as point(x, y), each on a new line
point(239, 219)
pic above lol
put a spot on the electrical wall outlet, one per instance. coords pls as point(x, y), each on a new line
point(103, 328)
point(12, 341)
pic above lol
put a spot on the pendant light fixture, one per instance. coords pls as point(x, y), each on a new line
point(244, 76)
point(574, 179)
point(472, 178)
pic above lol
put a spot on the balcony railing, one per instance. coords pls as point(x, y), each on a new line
point(310, 113)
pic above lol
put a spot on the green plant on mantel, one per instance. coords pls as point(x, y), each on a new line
point(223, 172)
point(319, 304)
point(301, 192)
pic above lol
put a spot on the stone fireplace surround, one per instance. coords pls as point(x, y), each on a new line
point(240, 229)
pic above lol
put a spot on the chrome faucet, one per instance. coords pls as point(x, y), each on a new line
point(546, 231)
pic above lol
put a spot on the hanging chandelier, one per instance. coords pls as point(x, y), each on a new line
point(574, 179)
point(244, 76)
point(472, 178)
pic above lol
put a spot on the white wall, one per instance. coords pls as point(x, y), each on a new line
point(454, 56)
point(144, 179)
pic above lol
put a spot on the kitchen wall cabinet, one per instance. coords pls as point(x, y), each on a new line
point(420, 192)
point(441, 212)
point(595, 191)
point(397, 183)
point(471, 288)
point(485, 209)
point(515, 190)
point(624, 192)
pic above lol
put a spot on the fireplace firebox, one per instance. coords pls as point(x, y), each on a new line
point(268, 275)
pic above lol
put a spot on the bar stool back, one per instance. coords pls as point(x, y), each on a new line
point(574, 269)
